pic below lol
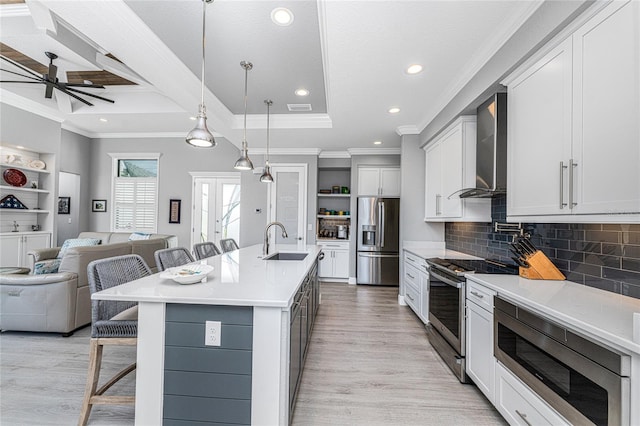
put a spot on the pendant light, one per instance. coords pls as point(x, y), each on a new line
point(244, 163)
point(266, 175)
point(200, 136)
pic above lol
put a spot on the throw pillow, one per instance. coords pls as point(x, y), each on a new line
point(139, 236)
point(49, 266)
point(77, 242)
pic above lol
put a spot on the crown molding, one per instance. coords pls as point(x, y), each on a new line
point(407, 130)
point(284, 121)
point(28, 105)
point(334, 154)
point(285, 151)
point(374, 151)
point(74, 129)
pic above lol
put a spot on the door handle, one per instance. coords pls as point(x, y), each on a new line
point(381, 209)
point(572, 167)
point(562, 167)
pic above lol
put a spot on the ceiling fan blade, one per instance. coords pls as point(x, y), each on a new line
point(21, 81)
point(22, 67)
point(67, 92)
point(22, 75)
point(94, 86)
point(90, 94)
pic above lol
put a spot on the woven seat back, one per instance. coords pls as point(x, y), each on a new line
point(107, 273)
point(202, 250)
point(228, 244)
point(172, 257)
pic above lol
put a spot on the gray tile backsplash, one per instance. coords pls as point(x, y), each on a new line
point(605, 256)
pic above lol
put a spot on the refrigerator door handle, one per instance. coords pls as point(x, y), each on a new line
point(377, 255)
point(381, 223)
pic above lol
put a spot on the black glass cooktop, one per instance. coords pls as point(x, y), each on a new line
point(480, 266)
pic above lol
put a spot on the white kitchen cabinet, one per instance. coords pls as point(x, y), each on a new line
point(450, 167)
point(519, 405)
point(379, 181)
point(416, 285)
point(14, 247)
point(335, 264)
point(480, 360)
point(573, 126)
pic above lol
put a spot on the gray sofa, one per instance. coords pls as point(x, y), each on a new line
point(60, 302)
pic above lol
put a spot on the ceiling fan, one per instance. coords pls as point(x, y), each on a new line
point(51, 81)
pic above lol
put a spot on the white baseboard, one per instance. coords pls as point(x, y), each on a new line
point(352, 280)
point(401, 300)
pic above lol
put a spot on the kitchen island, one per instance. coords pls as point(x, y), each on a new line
point(251, 377)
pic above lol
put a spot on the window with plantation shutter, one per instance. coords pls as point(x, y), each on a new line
point(135, 194)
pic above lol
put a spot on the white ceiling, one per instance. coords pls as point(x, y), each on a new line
point(351, 55)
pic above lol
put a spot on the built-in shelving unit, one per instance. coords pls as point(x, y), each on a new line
point(337, 180)
point(22, 230)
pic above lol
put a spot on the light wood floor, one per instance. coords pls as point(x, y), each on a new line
point(369, 363)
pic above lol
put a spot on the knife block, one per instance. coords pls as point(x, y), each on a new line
point(541, 268)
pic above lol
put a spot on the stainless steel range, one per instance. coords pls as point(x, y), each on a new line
point(447, 286)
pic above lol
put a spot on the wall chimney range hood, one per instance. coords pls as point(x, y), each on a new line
point(491, 150)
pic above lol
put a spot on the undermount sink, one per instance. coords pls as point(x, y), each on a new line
point(286, 256)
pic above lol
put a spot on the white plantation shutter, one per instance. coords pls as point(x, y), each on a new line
point(135, 204)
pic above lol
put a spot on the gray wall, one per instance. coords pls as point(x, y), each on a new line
point(177, 160)
point(35, 133)
point(412, 224)
point(76, 160)
point(545, 22)
point(68, 224)
point(254, 196)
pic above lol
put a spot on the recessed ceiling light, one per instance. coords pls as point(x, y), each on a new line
point(414, 69)
point(377, 142)
point(394, 110)
point(19, 146)
point(104, 120)
point(192, 118)
point(282, 16)
point(302, 92)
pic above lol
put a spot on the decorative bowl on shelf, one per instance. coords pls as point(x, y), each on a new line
point(37, 164)
point(14, 177)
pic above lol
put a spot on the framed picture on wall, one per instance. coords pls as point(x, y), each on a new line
point(174, 211)
point(64, 205)
point(99, 206)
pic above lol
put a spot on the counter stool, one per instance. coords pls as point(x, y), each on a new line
point(112, 323)
point(228, 244)
point(202, 250)
point(172, 257)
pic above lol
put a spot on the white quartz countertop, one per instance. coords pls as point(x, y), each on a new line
point(428, 250)
point(240, 278)
point(596, 314)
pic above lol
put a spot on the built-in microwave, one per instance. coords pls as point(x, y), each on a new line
point(585, 382)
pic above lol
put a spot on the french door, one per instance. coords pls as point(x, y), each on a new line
point(288, 202)
point(216, 208)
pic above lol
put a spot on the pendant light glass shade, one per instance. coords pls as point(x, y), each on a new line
point(200, 136)
point(266, 175)
point(244, 163)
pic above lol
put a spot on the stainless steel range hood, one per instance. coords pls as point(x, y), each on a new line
point(491, 149)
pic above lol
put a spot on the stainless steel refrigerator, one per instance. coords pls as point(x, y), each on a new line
point(378, 240)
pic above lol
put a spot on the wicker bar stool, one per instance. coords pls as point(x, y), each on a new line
point(171, 257)
point(228, 244)
point(112, 323)
point(202, 250)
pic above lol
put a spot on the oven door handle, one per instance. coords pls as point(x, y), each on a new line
point(456, 284)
